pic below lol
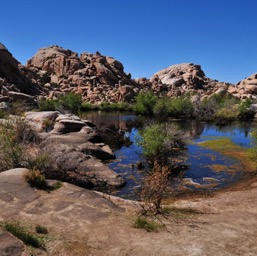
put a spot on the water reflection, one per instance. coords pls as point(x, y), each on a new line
point(207, 169)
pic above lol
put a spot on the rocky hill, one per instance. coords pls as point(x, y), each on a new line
point(98, 78)
point(186, 78)
point(54, 71)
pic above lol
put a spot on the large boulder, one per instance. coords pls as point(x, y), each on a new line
point(77, 165)
point(55, 60)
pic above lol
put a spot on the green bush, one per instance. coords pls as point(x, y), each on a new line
point(71, 102)
point(145, 102)
point(161, 107)
point(245, 112)
point(180, 108)
point(226, 115)
point(47, 105)
point(160, 142)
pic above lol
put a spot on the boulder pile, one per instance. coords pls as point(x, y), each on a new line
point(55, 71)
point(98, 78)
point(76, 150)
point(245, 89)
point(186, 78)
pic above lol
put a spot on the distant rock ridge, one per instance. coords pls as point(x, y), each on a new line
point(54, 71)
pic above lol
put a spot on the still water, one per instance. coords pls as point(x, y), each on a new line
point(206, 169)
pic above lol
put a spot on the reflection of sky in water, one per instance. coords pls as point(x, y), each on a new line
point(202, 160)
point(239, 135)
point(203, 163)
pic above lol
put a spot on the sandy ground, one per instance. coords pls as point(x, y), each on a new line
point(82, 222)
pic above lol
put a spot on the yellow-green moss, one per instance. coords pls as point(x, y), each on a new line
point(226, 147)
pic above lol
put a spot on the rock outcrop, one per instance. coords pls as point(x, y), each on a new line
point(75, 148)
point(245, 89)
point(14, 84)
point(55, 71)
point(98, 78)
point(182, 79)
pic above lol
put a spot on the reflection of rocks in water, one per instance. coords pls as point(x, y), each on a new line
point(113, 138)
point(194, 129)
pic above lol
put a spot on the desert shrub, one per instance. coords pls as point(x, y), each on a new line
point(154, 187)
point(41, 229)
point(23, 132)
point(180, 108)
point(47, 105)
point(205, 110)
point(11, 152)
point(20, 107)
point(245, 112)
point(120, 106)
point(160, 142)
point(3, 113)
point(35, 179)
point(85, 106)
point(42, 161)
point(148, 225)
point(226, 115)
point(145, 103)
point(24, 235)
point(161, 107)
point(70, 101)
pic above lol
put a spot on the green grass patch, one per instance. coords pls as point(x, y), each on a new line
point(148, 225)
point(24, 235)
point(228, 148)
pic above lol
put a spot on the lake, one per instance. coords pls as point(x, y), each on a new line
point(206, 170)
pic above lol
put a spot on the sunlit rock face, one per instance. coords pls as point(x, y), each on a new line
point(98, 78)
point(246, 88)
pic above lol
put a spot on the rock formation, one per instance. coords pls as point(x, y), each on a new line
point(14, 85)
point(247, 88)
point(186, 78)
point(55, 71)
point(75, 148)
point(98, 78)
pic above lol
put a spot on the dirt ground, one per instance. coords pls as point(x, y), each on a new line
point(82, 222)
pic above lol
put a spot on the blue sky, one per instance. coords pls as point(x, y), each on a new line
point(145, 35)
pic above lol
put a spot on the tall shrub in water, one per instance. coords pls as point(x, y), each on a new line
point(161, 142)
